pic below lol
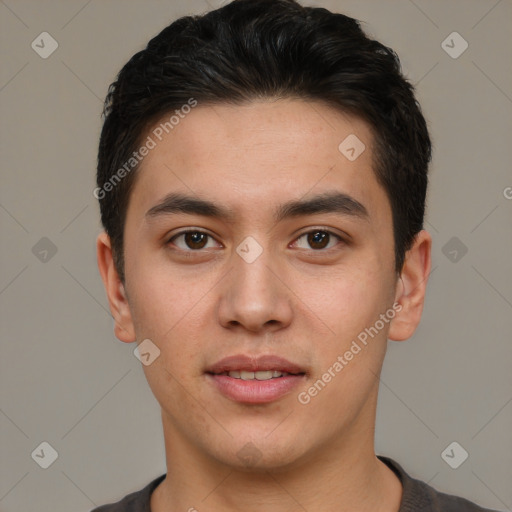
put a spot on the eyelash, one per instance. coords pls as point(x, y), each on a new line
point(315, 230)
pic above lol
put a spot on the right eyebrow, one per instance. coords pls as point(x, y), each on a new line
point(181, 203)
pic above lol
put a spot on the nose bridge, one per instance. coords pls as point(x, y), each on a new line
point(254, 297)
point(252, 279)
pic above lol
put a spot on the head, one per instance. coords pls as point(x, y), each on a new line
point(257, 49)
point(231, 122)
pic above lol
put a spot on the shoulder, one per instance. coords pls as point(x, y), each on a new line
point(135, 502)
point(420, 497)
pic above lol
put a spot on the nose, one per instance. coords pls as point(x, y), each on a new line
point(253, 297)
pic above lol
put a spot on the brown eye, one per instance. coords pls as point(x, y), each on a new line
point(318, 239)
point(195, 240)
point(191, 240)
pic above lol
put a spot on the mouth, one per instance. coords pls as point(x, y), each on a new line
point(254, 380)
point(257, 375)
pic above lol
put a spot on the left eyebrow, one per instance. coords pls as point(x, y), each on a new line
point(329, 202)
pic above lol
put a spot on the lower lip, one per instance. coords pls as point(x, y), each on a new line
point(255, 391)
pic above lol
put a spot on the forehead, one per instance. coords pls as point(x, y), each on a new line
point(253, 157)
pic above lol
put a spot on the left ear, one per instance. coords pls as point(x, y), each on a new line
point(411, 287)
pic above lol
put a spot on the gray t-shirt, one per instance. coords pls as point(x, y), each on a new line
point(417, 497)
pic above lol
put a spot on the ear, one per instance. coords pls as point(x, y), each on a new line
point(119, 307)
point(411, 287)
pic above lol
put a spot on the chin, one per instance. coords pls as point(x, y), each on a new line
point(260, 454)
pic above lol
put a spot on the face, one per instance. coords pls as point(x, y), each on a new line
point(256, 255)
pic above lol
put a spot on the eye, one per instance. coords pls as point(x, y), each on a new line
point(318, 239)
point(192, 240)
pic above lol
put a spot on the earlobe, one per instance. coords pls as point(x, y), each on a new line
point(411, 288)
point(119, 306)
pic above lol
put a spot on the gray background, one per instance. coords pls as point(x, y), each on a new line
point(66, 380)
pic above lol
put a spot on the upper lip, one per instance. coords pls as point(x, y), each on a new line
point(243, 362)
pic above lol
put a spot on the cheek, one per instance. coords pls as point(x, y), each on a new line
point(167, 311)
point(346, 299)
point(171, 308)
point(161, 295)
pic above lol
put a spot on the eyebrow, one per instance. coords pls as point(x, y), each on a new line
point(329, 202)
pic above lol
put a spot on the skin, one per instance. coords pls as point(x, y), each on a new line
point(302, 303)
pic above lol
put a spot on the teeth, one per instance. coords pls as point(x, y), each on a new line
point(267, 375)
point(260, 375)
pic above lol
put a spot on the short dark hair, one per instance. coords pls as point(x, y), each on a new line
point(257, 49)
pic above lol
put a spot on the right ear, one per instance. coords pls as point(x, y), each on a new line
point(119, 307)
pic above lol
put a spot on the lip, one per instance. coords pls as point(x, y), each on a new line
point(255, 391)
point(254, 364)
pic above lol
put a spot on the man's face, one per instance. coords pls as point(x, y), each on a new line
point(302, 287)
